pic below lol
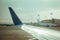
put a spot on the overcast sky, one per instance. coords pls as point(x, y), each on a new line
point(28, 10)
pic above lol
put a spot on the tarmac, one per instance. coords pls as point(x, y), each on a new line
point(13, 33)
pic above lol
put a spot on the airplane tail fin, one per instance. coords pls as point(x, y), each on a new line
point(15, 19)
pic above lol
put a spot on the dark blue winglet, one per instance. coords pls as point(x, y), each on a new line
point(15, 19)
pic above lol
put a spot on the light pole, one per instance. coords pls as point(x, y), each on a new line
point(51, 15)
point(52, 19)
point(38, 20)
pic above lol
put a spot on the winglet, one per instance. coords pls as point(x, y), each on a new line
point(15, 19)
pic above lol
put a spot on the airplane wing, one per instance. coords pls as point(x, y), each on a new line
point(37, 32)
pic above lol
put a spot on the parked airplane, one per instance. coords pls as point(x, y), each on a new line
point(37, 32)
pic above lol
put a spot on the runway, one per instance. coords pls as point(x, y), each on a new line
point(13, 33)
